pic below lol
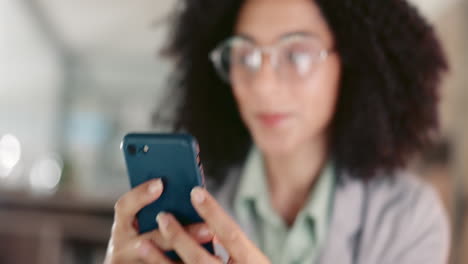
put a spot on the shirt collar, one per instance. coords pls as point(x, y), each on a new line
point(252, 183)
point(252, 189)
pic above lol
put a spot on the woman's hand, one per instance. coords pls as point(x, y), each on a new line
point(227, 232)
point(127, 246)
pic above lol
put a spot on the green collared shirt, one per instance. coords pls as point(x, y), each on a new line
point(299, 243)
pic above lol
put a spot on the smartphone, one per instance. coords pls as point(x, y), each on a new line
point(175, 159)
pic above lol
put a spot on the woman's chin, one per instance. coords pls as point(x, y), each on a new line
point(274, 145)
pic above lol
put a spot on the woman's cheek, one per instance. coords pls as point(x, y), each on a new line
point(242, 101)
point(317, 105)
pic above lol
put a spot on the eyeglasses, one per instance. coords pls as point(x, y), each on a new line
point(294, 58)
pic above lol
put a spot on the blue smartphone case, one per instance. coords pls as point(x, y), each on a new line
point(173, 158)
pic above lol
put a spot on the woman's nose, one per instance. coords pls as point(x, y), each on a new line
point(265, 80)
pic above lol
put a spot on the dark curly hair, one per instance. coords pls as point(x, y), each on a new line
point(387, 104)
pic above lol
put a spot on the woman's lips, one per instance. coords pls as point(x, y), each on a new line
point(272, 119)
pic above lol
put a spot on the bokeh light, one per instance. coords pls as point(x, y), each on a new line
point(10, 154)
point(45, 174)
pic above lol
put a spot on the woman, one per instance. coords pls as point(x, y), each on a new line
point(307, 113)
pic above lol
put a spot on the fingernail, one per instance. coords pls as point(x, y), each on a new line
point(204, 232)
point(162, 220)
point(155, 187)
point(197, 195)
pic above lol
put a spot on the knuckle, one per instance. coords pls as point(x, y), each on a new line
point(114, 230)
point(173, 235)
point(121, 204)
point(113, 260)
point(113, 256)
point(117, 231)
point(199, 258)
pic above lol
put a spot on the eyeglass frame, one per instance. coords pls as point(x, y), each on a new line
point(215, 55)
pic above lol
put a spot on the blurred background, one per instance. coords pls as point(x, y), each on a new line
point(75, 76)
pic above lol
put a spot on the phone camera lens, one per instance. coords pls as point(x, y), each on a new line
point(145, 149)
point(131, 149)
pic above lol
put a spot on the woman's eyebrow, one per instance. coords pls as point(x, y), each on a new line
point(298, 33)
point(281, 37)
point(246, 37)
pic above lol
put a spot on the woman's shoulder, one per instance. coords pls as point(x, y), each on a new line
point(403, 188)
point(403, 218)
point(401, 191)
point(405, 194)
point(396, 218)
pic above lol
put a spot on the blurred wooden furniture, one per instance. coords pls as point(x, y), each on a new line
point(54, 230)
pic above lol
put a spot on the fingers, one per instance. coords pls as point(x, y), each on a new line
point(199, 232)
point(145, 251)
point(225, 228)
point(186, 247)
point(130, 203)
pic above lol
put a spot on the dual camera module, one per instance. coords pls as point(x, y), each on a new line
point(133, 149)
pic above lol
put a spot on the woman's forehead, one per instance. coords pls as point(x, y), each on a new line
point(266, 21)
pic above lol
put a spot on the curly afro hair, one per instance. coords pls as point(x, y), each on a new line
point(387, 104)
